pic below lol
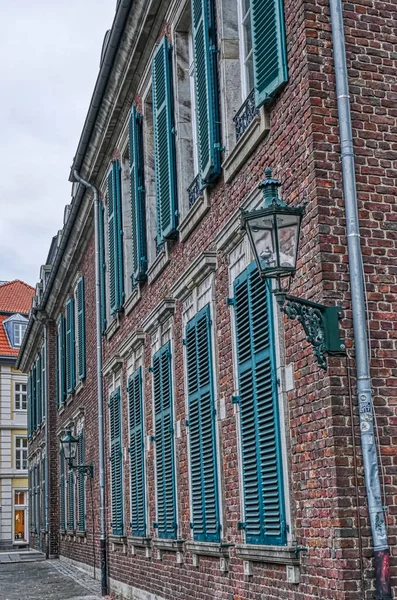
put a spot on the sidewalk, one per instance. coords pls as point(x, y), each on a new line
point(28, 579)
point(21, 556)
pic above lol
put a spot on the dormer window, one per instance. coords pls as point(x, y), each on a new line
point(15, 327)
point(19, 332)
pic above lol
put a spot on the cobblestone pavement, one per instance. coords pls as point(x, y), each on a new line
point(47, 580)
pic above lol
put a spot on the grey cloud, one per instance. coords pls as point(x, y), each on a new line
point(50, 57)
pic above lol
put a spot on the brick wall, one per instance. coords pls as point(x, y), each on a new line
point(303, 151)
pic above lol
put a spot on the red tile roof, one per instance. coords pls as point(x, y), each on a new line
point(16, 297)
point(5, 348)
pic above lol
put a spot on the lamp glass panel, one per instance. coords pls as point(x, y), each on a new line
point(262, 232)
point(288, 231)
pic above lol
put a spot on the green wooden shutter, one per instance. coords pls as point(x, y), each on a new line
point(137, 187)
point(71, 508)
point(116, 276)
point(57, 368)
point(30, 483)
point(70, 347)
point(164, 146)
point(103, 265)
point(38, 523)
point(34, 409)
point(29, 405)
point(80, 298)
point(259, 418)
point(206, 89)
point(203, 467)
point(137, 455)
point(62, 490)
point(43, 493)
point(44, 379)
point(164, 438)
point(269, 48)
point(34, 498)
point(81, 485)
point(38, 391)
point(116, 457)
point(62, 359)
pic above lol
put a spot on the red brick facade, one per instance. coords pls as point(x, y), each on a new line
point(324, 471)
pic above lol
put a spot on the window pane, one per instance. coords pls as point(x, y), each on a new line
point(247, 37)
point(249, 69)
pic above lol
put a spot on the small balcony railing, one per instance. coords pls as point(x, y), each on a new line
point(245, 115)
point(194, 191)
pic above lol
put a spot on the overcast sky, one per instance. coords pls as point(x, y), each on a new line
point(50, 52)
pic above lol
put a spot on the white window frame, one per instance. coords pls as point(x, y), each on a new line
point(22, 395)
point(203, 294)
point(23, 507)
point(193, 103)
point(114, 383)
point(135, 361)
point(161, 335)
point(19, 453)
point(242, 27)
point(20, 328)
point(240, 257)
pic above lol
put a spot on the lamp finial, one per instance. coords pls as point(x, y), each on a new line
point(270, 188)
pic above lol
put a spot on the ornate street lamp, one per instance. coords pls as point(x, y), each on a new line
point(69, 445)
point(273, 231)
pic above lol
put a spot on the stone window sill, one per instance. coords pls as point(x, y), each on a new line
point(208, 549)
point(168, 545)
point(144, 543)
point(194, 216)
point(118, 542)
point(279, 555)
point(79, 387)
point(132, 299)
point(81, 534)
point(255, 133)
point(139, 542)
point(113, 327)
point(118, 539)
point(159, 264)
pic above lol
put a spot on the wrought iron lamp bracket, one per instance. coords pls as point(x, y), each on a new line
point(82, 469)
point(320, 323)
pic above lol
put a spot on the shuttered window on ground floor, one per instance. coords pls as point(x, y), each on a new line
point(264, 515)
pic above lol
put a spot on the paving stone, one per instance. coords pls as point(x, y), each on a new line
point(43, 581)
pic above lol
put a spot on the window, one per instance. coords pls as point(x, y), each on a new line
point(70, 346)
point(193, 103)
point(60, 362)
point(137, 187)
point(62, 492)
point(81, 484)
point(116, 462)
point(189, 184)
point(70, 496)
point(164, 440)
point(115, 239)
point(21, 453)
point(269, 48)
point(246, 51)
point(136, 450)
point(19, 332)
point(102, 258)
point(201, 423)
point(80, 320)
point(20, 396)
point(164, 143)
point(206, 89)
point(262, 469)
point(20, 520)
